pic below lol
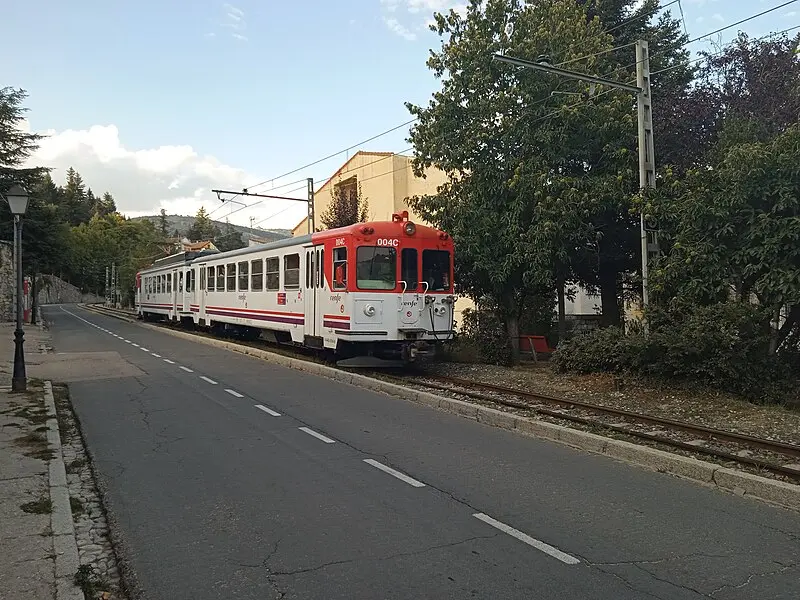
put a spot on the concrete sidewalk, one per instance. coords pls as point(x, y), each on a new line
point(38, 550)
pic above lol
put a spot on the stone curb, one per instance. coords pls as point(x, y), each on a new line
point(739, 482)
point(65, 545)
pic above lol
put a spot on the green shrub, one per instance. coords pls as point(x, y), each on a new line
point(485, 334)
point(723, 345)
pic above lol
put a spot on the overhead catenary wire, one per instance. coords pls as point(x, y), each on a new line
point(553, 113)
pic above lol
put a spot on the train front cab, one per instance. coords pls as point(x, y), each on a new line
point(399, 280)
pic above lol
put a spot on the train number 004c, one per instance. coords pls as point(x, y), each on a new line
point(388, 242)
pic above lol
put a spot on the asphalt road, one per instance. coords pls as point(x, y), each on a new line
point(228, 477)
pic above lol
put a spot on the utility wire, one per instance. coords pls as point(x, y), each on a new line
point(721, 29)
point(715, 54)
point(410, 121)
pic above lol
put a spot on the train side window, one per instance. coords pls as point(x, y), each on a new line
point(309, 268)
point(211, 281)
point(273, 274)
point(291, 271)
point(244, 276)
point(231, 277)
point(409, 270)
point(436, 269)
point(257, 274)
point(169, 283)
point(220, 278)
point(180, 283)
point(202, 279)
point(340, 268)
point(190, 280)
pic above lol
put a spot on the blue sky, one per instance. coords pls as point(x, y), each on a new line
point(263, 87)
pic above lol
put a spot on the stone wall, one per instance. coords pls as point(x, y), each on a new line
point(6, 282)
point(53, 290)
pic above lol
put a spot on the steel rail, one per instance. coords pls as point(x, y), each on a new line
point(700, 430)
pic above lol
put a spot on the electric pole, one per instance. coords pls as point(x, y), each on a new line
point(108, 288)
point(647, 168)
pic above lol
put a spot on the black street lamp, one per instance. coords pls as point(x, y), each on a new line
point(17, 197)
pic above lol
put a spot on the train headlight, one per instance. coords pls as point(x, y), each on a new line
point(409, 228)
point(369, 310)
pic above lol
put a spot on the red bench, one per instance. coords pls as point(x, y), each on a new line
point(535, 344)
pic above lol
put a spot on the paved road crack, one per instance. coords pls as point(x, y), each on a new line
point(381, 558)
point(783, 568)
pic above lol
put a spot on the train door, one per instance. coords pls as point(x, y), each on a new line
point(200, 295)
point(311, 281)
point(172, 288)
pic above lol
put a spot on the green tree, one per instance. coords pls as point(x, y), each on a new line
point(229, 240)
point(503, 137)
point(16, 144)
point(163, 223)
point(347, 206)
point(78, 203)
point(203, 228)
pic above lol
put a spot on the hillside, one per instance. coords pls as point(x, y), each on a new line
point(183, 223)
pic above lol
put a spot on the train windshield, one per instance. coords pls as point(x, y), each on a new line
point(436, 270)
point(376, 268)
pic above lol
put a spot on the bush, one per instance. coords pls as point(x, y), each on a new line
point(723, 345)
point(484, 336)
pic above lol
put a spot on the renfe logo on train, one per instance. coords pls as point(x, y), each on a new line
point(281, 297)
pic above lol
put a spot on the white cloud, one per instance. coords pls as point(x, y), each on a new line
point(233, 21)
point(395, 26)
point(175, 178)
point(718, 17)
point(418, 14)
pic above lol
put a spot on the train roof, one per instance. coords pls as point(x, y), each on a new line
point(379, 228)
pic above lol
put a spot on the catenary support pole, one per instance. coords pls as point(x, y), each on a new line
point(647, 169)
point(310, 205)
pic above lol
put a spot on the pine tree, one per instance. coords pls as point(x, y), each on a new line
point(203, 228)
point(163, 224)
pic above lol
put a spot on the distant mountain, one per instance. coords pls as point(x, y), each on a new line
point(182, 224)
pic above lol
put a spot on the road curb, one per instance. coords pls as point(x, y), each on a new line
point(65, 544)
point(738, 482)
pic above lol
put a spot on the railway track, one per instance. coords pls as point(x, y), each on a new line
point(763, 454)
point(760, 453)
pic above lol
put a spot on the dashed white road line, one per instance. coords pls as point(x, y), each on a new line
point(398, 474)
point(156, 355)
point(523, 537)
point(166, 360)
point(187, 369)
point(234, 393)
point(144, 349)
point(128, 341)
point(269, 411)
point(319, 436)
point(207, 380)
point(134, 345)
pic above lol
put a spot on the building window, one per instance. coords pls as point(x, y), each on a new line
point(409, 270)
point(231, 277)
point(273, 274)
point(376, 268)
point(257, 273)
point(291, 271)
point(244, 276)
point(436, 269)
point(340, 268)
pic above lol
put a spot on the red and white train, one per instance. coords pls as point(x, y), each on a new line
point(380, 289)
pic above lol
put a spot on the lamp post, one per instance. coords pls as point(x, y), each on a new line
point(17, 197)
